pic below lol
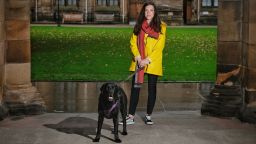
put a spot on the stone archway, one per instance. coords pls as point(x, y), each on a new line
point(236, 46)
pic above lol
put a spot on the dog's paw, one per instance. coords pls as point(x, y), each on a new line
point(124, 133)
point(118, 140)
point(96, 140)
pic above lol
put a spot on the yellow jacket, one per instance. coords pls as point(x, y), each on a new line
point(153, 51)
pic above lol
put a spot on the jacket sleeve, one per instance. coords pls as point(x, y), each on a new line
point(134, 47)
point(159, 46)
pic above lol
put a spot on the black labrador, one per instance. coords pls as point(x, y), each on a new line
point(112, 99)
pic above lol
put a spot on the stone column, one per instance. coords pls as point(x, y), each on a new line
point(229, 35)
point(20, 95)
point(249, 51)
point(2, 56)
point(226, 98)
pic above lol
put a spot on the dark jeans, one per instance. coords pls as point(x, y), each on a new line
point(152, 81)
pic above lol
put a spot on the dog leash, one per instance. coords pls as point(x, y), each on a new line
point(131, 75)
point(112, 108)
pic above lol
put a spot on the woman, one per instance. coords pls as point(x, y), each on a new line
point(147, 43)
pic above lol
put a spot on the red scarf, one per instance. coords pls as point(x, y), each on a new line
point(145, 29)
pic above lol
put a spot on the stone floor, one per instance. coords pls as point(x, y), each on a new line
point(171, 127)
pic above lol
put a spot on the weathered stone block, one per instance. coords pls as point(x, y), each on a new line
point(23, 101)
point(16, 4)
point(229, 11)
point(18, 74)
point(252, 14)
point(245, 32)
point(252, 57)
point(46, 90)
point(18, 9)
point(229, 21)
point(229, 53)
point(229, 31)
point(245, 11)
point(2, 43)
point(245, 54)
point(1, 80)
point(252, 33)
point(17, 30)
point(251, 69)
point(2, 10)
point(248, 115)
point(251, 79)
point(2, 29)
point(250, 97)
point(22, 95)
point(18, 51)
point(86, 91)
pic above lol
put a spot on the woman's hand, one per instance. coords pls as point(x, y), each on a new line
point(138, 59)
point(144, 62)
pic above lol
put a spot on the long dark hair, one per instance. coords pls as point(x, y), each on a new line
point(155, 23)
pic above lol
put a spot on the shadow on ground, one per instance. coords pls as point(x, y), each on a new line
point(79, 125)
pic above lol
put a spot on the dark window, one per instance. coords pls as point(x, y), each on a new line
point(107, 2)
point(67, 2)
point(215, 3)
point(209, 3)
point(62, 2)
point(101, 2)
point(71, 2)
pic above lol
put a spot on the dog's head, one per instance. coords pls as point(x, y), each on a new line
point(108, 91)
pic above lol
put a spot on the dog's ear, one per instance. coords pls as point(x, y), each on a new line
point(103, 87)
point(115, 87)
point(117, 91)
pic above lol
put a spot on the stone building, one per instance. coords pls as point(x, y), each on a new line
point(173, 12)
point(104, 11)
point(200, 11)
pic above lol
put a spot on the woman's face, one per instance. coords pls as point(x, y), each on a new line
point(149, 12)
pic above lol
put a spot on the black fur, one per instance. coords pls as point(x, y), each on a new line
point(109, 91)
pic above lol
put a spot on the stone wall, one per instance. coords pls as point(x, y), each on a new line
point(83, 96)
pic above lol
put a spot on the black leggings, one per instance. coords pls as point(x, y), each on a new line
point(152, 80)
